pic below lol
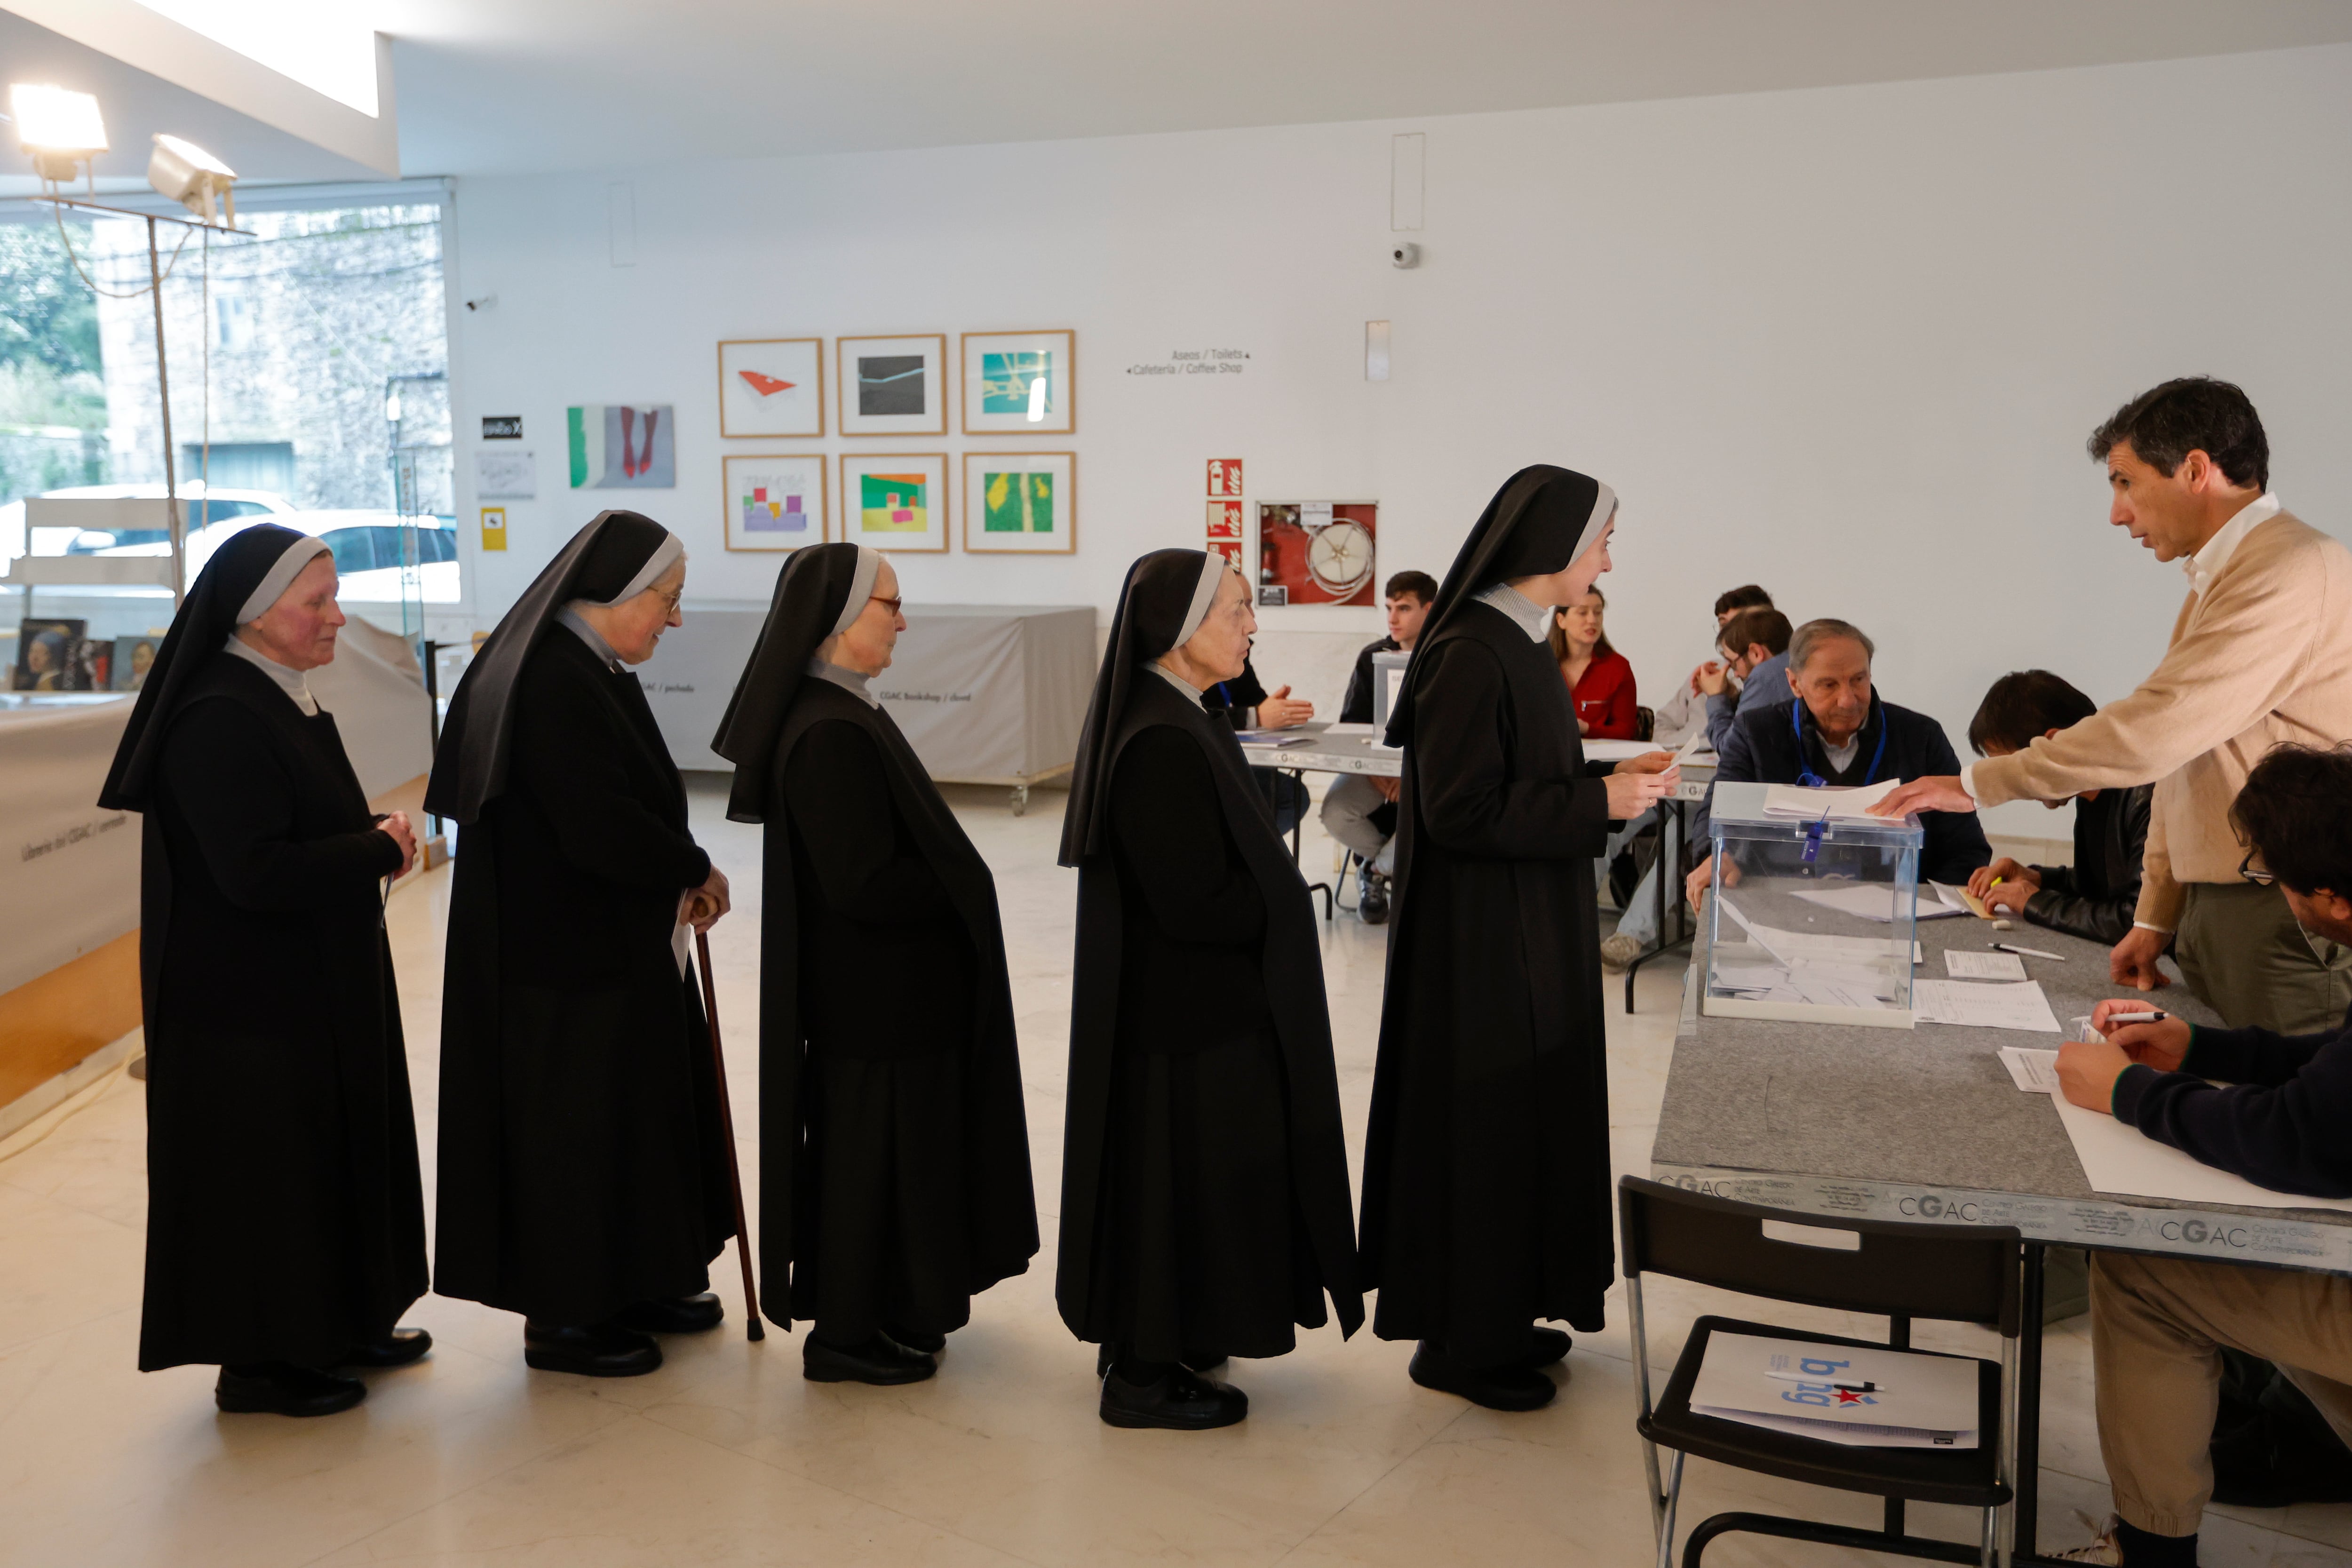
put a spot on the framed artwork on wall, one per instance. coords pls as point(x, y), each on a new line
point(771, 386)
point(893, 386)
point(1020, 384)
point(895, 501)
point(774, 502)
point(1317, 552)
point(622, 447)
point(1021, 503)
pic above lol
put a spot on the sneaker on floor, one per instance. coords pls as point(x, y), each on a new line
point(1371, 897)
point(1618, 950)
point(2104, 1549)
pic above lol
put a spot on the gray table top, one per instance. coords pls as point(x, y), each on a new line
point(1325, 752)
point(1925, 1122)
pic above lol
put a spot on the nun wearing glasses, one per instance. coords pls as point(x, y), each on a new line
point(285, 1223)
point(895, 1181)
point(583, 1171)
point(1204, 1180)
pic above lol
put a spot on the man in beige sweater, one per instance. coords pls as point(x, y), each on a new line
point(2262, 653)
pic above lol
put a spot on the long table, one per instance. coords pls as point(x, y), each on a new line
point(1926, 1124)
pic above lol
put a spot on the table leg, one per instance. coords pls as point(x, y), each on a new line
point(2029, 1406)
point(1668, 872)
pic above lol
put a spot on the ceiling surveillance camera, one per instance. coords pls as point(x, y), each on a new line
point(1406, 255)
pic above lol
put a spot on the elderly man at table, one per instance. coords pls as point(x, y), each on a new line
point(1839, 732)
point(2261, 654)
point(1358, 809)
point(2157, 1324)
point(2093, 897)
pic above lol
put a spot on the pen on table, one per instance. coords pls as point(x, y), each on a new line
point(2028, 952)
point(2138, 1017)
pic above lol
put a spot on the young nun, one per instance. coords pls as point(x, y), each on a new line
point(583, 1175)
point(285, 1222)
point(1204, 1183)
point(1486, 1165)
point(896, 1182)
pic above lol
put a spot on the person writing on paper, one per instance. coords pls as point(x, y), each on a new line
point(1600, 679)
point(583, 1172)
point(2096, 896)
point(2261, 654)
point(1684, 714)
point(1359, 809)
point(1840, 733)
point(2157, 1322)
point(1485, 1197)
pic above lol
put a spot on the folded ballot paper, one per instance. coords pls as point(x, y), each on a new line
point(1840, 1393)
point(1831, 804)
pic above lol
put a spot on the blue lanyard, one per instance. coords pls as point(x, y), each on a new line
point(1806, 777)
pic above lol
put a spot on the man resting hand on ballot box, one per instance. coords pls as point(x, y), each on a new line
point(2158, 1323)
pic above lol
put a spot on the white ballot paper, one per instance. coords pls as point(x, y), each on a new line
point(2035, 1072)
point(1834, 804)
point(2019, 1006)
point(2120, 1159)
point(1873, 901)
point(1840, 1393)
point(1961, 965)
point(1603, 750)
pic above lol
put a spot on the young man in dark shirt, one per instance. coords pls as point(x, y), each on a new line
point(2093, 897)
point(1358, 809)
point(2157, 1323)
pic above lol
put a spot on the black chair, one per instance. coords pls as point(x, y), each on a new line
point(1971, 1274)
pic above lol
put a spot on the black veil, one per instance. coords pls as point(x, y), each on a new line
point(820, 591)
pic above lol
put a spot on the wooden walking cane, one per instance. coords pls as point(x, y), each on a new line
point(753, 1329)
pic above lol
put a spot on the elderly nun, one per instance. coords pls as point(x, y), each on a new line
point(583, 1172)
point(285, 1223)
point(894, 1184)
point(1204, 1181)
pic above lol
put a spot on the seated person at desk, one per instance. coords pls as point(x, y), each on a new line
point(1358, 809)
point(1249, 706)
point(1839, 733)
point(1684, 714)
point(2093, 897)
point(2158, 1324)
point(1599, 680)
point(1753, 674)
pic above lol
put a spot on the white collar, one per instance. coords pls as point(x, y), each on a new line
point(850, 680)
point(1529, 616)
point(579, 628)
point(1191, 691)
point(290, 682)
point(2207, 564)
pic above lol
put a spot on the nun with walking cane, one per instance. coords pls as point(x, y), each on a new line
point(584, 1156)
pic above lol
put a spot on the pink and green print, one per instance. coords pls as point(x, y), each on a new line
point(894, 503)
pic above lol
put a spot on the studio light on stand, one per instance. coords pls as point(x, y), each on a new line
point(61, 129)
point(186, 173)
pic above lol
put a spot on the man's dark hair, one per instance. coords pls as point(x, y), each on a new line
point(2194, 413)
point(1767, 626)
point(1751, 597)
point(2291, 813)
point(1420, 583)
point(2022, 706)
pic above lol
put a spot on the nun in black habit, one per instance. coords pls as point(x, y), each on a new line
point(583, 1172)
point(896, 1171)
point(285, 1222)
point(1205, 1181)
point(1486, 1163)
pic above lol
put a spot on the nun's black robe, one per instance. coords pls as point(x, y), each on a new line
point(895, 1180)
point(581, 1165)
point(285, 1220)
point(1486, 1163)
point(1204, 1180)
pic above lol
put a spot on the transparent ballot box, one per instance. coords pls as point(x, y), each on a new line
point(1810, 910)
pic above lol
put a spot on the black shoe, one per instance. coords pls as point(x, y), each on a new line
point(599, 1350)
point(1495, 1388)
point(398, 1347)
point(674, 1315)
point(281, 1388)
point(1207, 1361)
point(1550, 1348)
point(1371, 897)
point(1177, 1400)
point(917, 1340)
point(880, 1360)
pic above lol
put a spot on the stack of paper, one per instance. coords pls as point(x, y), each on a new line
point(1828, 805)
point(1840, 1393)
point(2021, 1007)
point(2118, 1158)
point(1962, 964)
point(1873, 901)
point(1961, 898)
point(1807, 966)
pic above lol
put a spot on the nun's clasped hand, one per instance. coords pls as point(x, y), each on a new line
point(1632, 793)
point(396, 828)
point(706, 903)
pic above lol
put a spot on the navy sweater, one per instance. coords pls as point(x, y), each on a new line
point(2280, 1123)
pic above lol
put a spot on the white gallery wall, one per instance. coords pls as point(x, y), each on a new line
point(1846, 342)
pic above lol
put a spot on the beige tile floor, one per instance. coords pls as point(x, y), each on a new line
point(727, 1457)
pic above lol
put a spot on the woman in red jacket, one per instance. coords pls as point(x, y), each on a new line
point(1600, 680)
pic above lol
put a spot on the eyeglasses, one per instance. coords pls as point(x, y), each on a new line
point(2260, 875)
point(897, 606)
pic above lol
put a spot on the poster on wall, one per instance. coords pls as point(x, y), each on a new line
point(1315, 553)
point(771, 386)
point(1018, 383)
point(895, 501)
point(775, 502)
point(623, 447)
point(893, 386)
point(1023, 503)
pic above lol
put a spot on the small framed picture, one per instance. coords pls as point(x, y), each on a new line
point(771, 386)
point(1317, 552)
point(775, 502)
point(1020, 384)
point(1021, 503)
point(895, 501)
point(893, 386)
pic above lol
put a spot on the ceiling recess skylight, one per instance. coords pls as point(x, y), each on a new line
point(327, 46)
